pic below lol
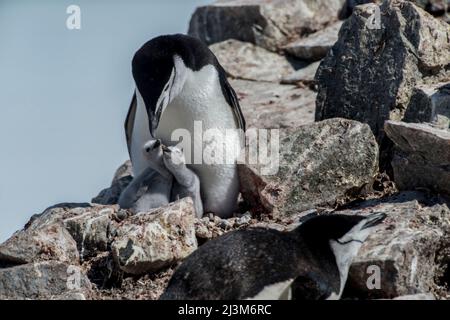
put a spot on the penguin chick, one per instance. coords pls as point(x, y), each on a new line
point(187, 183)
point(151, 189)
point(263, 264)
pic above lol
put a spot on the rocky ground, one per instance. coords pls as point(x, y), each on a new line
point(364, 119)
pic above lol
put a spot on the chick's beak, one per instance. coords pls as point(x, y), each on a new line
point(165, 149)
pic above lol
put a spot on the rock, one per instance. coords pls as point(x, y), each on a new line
point(244, 60)
point(44, 280)
point(244, 220)
point(91, 226)
point(269, 105)
point(320, 163)
point(150, 241)
point(226, 224)
point(121, 180)
point(428, 102)
point(51, 242)
point(419, 296)
point(422, 159)
point(305, 75)
point(267, 23)
point(202, 231)
point(403, 250)
point(91, 230)
point(315, 46)
point(435, 7)
point(125, 170)
point(350, 5)
point(369, 74)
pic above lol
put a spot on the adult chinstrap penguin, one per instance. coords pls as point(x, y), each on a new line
point(179, 82)
point(310, 262)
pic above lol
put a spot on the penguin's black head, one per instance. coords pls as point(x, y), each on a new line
point(339, 228)
point(152, 68)
point(335, 240)
point(156, 75)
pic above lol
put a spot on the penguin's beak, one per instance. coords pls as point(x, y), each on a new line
point(374, 219)
point(165, 149)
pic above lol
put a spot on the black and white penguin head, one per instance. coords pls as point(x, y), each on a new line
point(338, 229)
point(159, 70)
point(173, 158)
point(343, 235)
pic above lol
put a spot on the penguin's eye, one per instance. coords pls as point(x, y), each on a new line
point(147, 149)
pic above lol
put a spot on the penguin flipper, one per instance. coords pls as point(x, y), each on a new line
point(129, 122)
point(231, 97)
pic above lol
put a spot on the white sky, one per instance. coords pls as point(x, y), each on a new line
point(64, 95)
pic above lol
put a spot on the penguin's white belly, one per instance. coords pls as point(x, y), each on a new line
point(202, 100)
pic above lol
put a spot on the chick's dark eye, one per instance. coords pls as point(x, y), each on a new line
point(147, 149)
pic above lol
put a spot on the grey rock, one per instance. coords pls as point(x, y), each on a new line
point(51, 242)
point(91, 230)
point(419, 296)
point(202, 231)
point(304, 75)
point(267, 23)
point(125, 170)
point(244, 60)
point(404, 248)
point(428, 102)
point(270, 105)
point(315, 46)
point(71, 296)
point(319, 164)
point(225, 224)
point(435, 7)
point(422, 159)
point(244, 220)
point(121, 180)
point(150, 241)
point(369, 74)
point(44, 280)
point(89, 225)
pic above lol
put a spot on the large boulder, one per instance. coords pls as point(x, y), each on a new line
point(422, 158)
point(89, 227)
point(370, 73)
point(435, 7)
point(271, 105)
point(304, 76)
point(428, 102)
point(244, 60)
point(44, 280)
point(51, 242)
point(401, 257)
point(267, 23)
point(121, 180)
point(319, 164)
point(315, 46)
point(92, 230)
point(150, 241)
